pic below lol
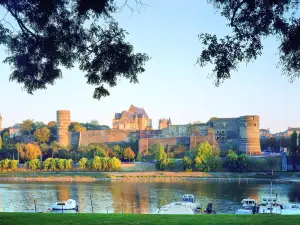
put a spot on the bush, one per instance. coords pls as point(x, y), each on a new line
point(114, 164)
point(34, 164)
point(83, 163)
point(14, 164)
point(187, 164)
point(5, 164)
point(69, 164)
point(231, 161)
point(61, 164)
point(235, 163)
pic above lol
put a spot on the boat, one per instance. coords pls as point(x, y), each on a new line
point(67, 206)
point(187, 205)
point(291, 209)
point(248, 206)
point(269, 205)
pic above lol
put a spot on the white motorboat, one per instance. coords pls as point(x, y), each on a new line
point(187, 205)
point(248, 206)
point(291, 209)
point(270, 205)
point(69, 205)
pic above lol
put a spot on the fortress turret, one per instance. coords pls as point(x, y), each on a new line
point(63, 123)
point(249, 138)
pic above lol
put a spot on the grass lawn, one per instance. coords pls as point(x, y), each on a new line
point(124, 219)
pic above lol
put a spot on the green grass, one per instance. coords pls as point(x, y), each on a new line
point(124, 219)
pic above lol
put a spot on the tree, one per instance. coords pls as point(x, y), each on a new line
point(27, 126)
point(118, 151)
point(42, 135)
point(76, 127)
point(29, 151)
point(293, 148)
point(49, 35)
point(206, 159)
point(160, 154)
point(251, 21)
point(231, 161)
point(55, 146)
point(38, 125)
point(180, 151)
point(128, 154)
point(1, 144)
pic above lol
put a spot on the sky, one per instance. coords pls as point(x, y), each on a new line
point(172, 86)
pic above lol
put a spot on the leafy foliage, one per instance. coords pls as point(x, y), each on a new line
point(83, 163)
point(76, 127)
point(42, 135)
point(29, 151)
point(235, 163)
point(34, 164)
point(129, 154)
point(251, 21)
point(27, 126)
point(187, 164)
point(50, 35)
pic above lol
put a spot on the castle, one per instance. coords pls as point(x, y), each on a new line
point(241, 133)
point(134, 119)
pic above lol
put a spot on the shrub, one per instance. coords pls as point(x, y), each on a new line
point(14, 164)
point(187, 164)
point(47, 163)
point(231, 161)
point(34, 164)
point(61, 164)
point(5, 164)
point(115, 164)
point(69, 164)
point(97, 163)
point(83, 163)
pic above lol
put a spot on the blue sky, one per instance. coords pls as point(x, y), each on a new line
point(172, 86)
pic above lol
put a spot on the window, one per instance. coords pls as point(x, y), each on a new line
point(223, 137)
point(223, 131)
point(218, 131)
point(217, 138)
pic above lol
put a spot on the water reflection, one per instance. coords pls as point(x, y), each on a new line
point(136, 197)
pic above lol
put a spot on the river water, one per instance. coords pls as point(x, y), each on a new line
point(137, 197)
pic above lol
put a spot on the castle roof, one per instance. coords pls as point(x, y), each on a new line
point(130, 115)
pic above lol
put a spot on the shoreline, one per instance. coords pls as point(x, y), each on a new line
point(146, 176)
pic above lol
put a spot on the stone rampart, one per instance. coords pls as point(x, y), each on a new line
point(103, 136)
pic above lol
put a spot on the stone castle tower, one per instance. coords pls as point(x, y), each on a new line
point(249, 140)
point(164, 123)
point(63, 123)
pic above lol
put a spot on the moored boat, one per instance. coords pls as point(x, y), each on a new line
point(187, 205)
point(67, 206)
point(248, 206)
point(270, 205)
point(291, 209)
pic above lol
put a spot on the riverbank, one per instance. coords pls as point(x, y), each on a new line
point(144, 176)
point(132, 219)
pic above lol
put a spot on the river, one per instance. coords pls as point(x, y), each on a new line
point(137, 197)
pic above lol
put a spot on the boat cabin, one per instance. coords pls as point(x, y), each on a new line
point(265, 200)
point(189, 198)
point(249, 202)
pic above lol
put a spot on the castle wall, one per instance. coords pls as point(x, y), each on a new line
point(145, 143)
point(103, 136)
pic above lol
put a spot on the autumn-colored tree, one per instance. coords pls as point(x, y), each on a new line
point(27, 126)
point(29, 151)
point(128, 154)
point(42, 135)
